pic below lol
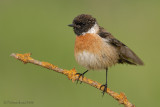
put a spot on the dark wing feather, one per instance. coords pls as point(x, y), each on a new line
point(126, 55)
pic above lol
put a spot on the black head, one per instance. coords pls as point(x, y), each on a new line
point(82, 23)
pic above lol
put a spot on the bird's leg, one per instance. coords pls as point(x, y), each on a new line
point(105, 85)
point(81, 74)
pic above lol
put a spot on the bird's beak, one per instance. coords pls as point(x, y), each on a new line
point(71, 25)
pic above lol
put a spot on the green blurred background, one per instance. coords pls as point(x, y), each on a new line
point(40, 27)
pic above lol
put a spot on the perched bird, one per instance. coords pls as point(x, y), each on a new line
point(96, 48)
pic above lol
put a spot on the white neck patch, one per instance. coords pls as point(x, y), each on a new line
point(94, 29)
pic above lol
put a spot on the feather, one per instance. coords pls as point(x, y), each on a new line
point(126, 55)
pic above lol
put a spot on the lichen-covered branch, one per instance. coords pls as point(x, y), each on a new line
point(121, 98)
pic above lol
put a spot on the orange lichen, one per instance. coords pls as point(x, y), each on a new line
point(48, 65)
point(122, 99)
point(71, 74)
point(24, 57)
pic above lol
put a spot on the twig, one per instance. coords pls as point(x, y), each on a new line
point(121, 98)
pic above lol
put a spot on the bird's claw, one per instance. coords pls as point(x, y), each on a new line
point(80, 74)
point(105, 88)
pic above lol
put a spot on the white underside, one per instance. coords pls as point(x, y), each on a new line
point(91, 61)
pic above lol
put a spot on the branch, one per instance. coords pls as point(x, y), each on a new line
point(121, 98)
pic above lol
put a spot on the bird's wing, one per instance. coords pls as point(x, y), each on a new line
point(126, 55)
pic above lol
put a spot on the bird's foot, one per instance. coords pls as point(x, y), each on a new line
point(105, 88)
point(80, 75)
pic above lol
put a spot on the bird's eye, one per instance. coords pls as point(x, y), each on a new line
point(83, 24)
point(80, 24)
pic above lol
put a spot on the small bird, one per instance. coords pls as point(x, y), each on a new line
point(96, 48)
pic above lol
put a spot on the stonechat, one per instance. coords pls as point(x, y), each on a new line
point(96, 48)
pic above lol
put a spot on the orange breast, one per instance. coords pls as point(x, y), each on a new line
point(92, 52)
point(90, 42)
